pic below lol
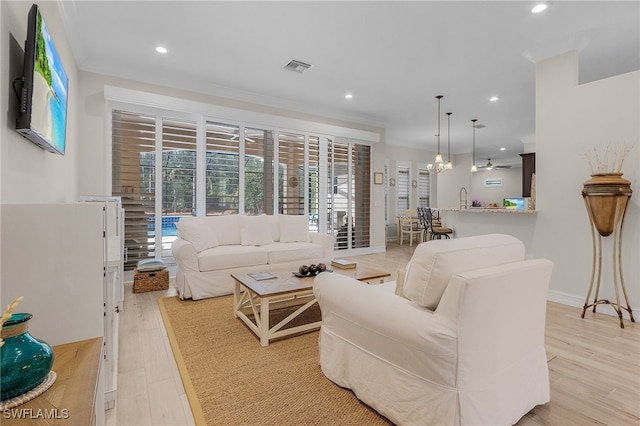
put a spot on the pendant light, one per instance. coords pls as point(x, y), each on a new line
point(474, 168)
point(449, 165)
point(438, 165)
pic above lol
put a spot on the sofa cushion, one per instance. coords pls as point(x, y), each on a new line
point(197, 233)
point(287, 252)
point(274, 222)
point(226, 228)
point(294, 228)
point(435, 262)
point(231, 256)
point(255, 230)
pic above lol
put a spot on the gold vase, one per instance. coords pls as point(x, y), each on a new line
point(606, 196)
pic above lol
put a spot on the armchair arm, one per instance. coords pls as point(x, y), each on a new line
point(376, 320)
point(327, 241)
point(185, 254)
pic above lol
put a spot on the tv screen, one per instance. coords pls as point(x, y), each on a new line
point(43, 103)
point(513, 203)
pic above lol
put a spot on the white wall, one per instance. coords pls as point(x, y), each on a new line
point(452, 181)
point(30, 174)
point(41, 256)
point(570, 119)
point(511, 185)
point(393, 155)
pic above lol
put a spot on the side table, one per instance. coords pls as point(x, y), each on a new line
point(71, 399)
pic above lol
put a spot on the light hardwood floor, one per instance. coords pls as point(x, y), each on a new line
point(595, 372)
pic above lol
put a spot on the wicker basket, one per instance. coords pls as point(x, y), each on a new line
point(150, 281)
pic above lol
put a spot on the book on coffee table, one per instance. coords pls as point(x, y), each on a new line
point(262, 275)
point(343, 263)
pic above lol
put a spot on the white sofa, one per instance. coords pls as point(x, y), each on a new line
point(465, 346)
point(209, 249)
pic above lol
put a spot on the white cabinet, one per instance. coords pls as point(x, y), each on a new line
point(66, 260)
point(113, 287)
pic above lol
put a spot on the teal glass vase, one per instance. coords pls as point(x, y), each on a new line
point(25, 361)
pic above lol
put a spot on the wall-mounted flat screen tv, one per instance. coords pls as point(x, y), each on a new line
point(43, 103)
point(513, 203)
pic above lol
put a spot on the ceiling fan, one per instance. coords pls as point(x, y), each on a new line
point(490, 166)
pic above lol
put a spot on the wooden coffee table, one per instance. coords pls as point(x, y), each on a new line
point(259, 297)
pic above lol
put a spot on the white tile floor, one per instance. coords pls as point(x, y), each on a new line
point(150, 390)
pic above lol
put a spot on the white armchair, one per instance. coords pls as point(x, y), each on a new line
point(465, 346)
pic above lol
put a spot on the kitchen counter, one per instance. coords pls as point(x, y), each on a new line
point(480, 221)
point(484, 209)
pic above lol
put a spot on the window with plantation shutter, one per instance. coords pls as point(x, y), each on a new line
point(424, 190)
point(402, 188)
point(178, 172)
point(149, 226)
point(178, 190)
point(133, 179)
point(167, 165)
point(258, 171)
point(291, 173)
point(313, 182)
point(349, 170)
point(222, 174)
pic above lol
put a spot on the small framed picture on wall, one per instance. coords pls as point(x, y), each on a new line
point(492, 183)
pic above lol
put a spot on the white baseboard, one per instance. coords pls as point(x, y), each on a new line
point(578, 302)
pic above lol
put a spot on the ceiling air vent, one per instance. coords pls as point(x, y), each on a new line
point(297, 66)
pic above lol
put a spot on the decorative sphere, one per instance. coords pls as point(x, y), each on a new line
point(322, 267)
point(304, 270)
point(313, 268)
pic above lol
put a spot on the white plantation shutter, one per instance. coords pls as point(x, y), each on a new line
point(133, 179)
point(222, 169)
point(424, 191)
point(349, 172)
point(258, 171)
point(291, 175)
point(135, 169)
point(402, 188)
point(178, 168)
point(313, 182)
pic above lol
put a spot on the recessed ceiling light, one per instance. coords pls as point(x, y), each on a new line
point(503, 149)
point(494, 98)
point(161, 49)
point(539, 8)
point(348, 96)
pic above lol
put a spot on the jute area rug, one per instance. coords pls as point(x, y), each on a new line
point(230, 379)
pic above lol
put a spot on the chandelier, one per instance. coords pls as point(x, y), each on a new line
point(438, 166)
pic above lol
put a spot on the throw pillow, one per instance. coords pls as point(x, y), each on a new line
point(274, 221)
point(255, 230)
point(402, 273)
point(294, 228)
point(226, 227)
point(198, 234)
